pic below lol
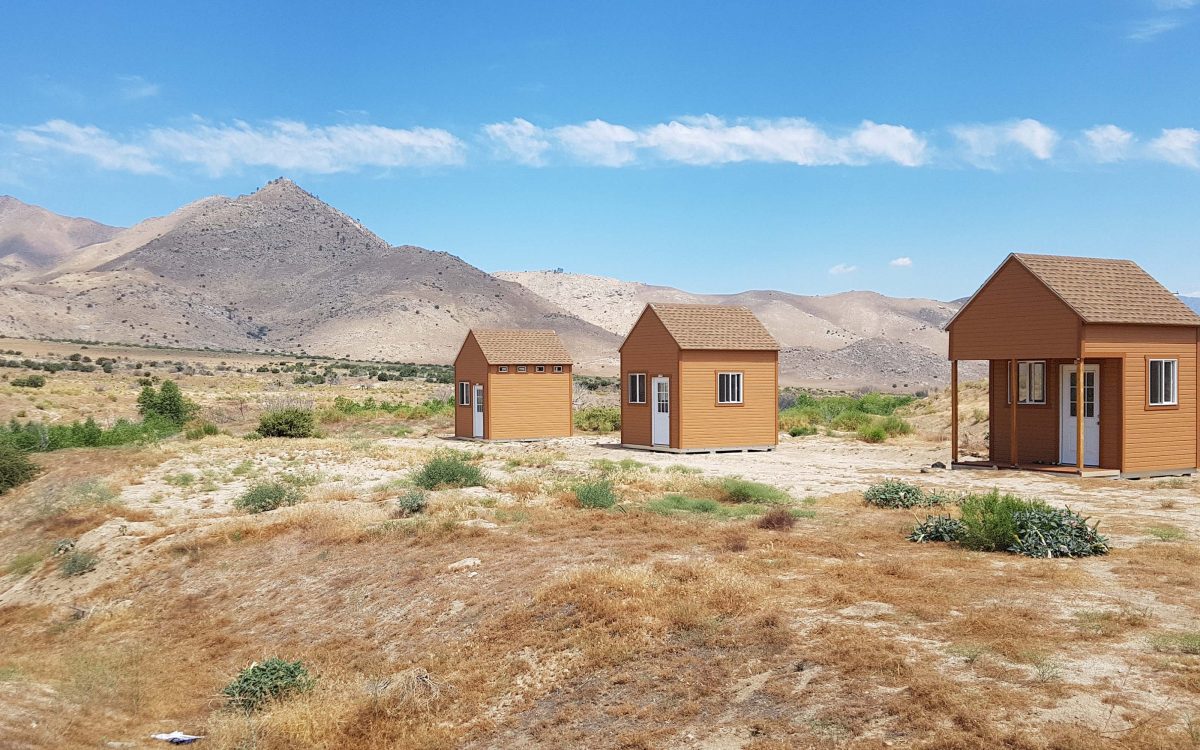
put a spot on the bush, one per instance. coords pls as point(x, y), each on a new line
point(872, 434)
point(1056, 532)
point(598, 419)
point(989, 522)
point(894, 426)
point(15, 467)
point(893, 493)
point(777, 519)
point(267, 496)
point(290, 422)
point(851, 420)
point(448, 469)
point(29, 381)
point(167, 403)
point(199, 430)
point(598, 494)
point(802, 431)
point(937, 529)
point(77, 563)
point(738, 490)
point(411, 503)
point(272, 680)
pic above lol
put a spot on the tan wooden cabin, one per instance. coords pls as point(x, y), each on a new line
point(512, 385)
point(1047, 324)
point(699, 378)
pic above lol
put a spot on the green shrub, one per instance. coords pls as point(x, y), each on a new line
point(271, 680)
point(15, 467)
point(937, 529)
point(267, 496)
point(851, 420)
point(598, 419)
point(448, 469)
point(1056, 532)
point(872, 433)
point(893, 493)
point(681, 503)
point(990, 520)
point(801, 431)
point(290, 422)
point(29, 381)
point(738, 490)
point(1177, 643)
point(77, 563)
point(411, 503)
point(598, 494)
point(199, 430)
point(894, 426)
point(167, 403)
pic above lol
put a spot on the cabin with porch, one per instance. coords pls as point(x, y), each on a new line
point(1058, 332)
point(699, 378)
point(512, 384)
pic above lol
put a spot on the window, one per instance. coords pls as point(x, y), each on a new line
point(539, 368)
point(1031, 383)
point(464, 393)
point(558, 368)
point(729, 387)
point(503, 368)
point(1164, 382)
point(521, 368)
point(637, 388)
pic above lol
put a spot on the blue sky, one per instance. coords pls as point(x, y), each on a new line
point(812, 147)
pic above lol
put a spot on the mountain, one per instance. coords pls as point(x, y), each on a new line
point(1192, 302)
point(279, 270)
point(33, 238)
point(851, 339)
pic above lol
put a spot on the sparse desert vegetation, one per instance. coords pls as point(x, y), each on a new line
point(379, 586)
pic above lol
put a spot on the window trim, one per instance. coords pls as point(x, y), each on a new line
point(539, 368)
point(1165, 405)
point(558, 368)
point(741, 388)
point(1045, 382)
point(502, 368)
point(522, 368)
point(629, 388)
point(466, 392)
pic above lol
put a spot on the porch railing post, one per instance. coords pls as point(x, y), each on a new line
point(953, 412)
point(1080, 400)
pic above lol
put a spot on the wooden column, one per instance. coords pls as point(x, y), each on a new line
point(1012, 411)
point(953, 412)
point(1079, 401)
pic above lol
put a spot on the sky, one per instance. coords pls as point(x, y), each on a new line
point(812, 147)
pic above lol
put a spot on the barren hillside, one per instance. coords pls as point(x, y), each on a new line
point(32, 238)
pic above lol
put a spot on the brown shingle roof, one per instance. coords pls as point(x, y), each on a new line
point(713, 326)
point(515, 346)
point(1102, 290)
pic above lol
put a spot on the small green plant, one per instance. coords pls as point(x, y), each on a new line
point(15, 467)
point(78, 562)
point(1177, 643)
point(894, 493)
point(182, 479)
point(598, 494)
point(411, 503)
point(29, 381)
point(738, 490)
point(1167, 533)
point(1055, 532)
point(989, 520)
point(872, 433)
point(24, 563)
point(267, 681)
point(448, 469)
point(267, 496)
point(937, 529)
point(802, 431)
point(290, 422)
point(894, 426)
point(199, 430)
point(598, 419)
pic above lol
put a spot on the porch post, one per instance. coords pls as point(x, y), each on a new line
point(953, 412)
point(1079, 402)
point(1012, 411)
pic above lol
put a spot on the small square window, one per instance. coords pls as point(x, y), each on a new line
point(1164, 382)
point(521, 368)
point(637, 388)
point(729, 388)
point(539, 368)
point(503, 368)
point(558, 368)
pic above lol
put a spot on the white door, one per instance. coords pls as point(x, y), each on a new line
point(660, 421)
point(1069, 409)
point(478, 413)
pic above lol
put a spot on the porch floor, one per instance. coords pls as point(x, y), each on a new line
point(1088, 471)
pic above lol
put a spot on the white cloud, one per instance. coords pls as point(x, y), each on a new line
point(904, 262)
point(137, 87)
point(598, 142)
point(519, 140)
point(984, 144)
point(892, 142)
point(89, 142)
point(1178, 146)
point(221, 148)
point(842, 269)
point(1151, 28)
point(1108, 143)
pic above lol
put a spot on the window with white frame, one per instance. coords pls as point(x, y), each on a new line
point(539, 368)
point(1164, 382)
point(464, 393)
point(558, 368)
point(729, 387)
point(521, 368)
point(1031, 383)
point(503, 368)
point(637, 388)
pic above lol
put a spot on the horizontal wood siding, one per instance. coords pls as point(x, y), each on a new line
point(530, 404)
point(469, 365)
point(1154, 438)
point(707, 425)
point(649, 348)
point(1014, 315)
point(1112, 409)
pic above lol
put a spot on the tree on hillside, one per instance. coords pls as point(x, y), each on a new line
point(167, 403)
